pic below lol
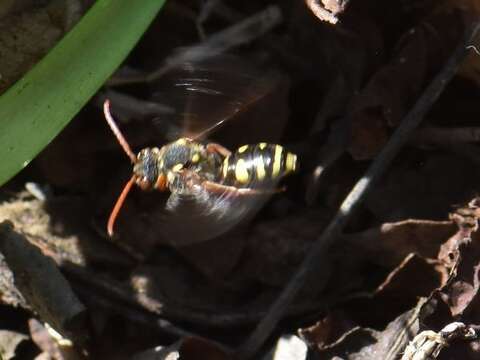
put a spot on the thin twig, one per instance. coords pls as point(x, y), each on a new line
point(318, 254)
point(274, 43)
point(135, 315)
point(446, 136)
point(241, 33)
point(238, 34)
point(333, 149)
point(82, 279)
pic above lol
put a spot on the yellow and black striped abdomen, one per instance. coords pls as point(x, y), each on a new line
point(257, 164)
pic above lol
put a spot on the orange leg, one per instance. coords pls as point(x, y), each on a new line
point(192, 179)
point(219, 149)
point(217, 188)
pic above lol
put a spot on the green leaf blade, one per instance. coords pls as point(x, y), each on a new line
point(38, 106)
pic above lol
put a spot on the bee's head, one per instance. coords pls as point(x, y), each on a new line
point(146, 170)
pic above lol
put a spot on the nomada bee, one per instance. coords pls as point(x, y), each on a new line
point(189, 168)
point(211, 189)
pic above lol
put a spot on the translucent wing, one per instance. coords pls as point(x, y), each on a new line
point(207, 95)
point(189, 219)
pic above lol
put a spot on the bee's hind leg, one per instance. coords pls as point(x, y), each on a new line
point(217, 188)
point(219, 149)
point(192, 180)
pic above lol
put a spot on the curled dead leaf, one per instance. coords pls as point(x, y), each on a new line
point(390, 243)
point(395, 87)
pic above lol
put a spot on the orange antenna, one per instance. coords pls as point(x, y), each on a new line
point(260, 89)
point(117, 132)
point(219, 123)
point(118, 205)
point(210, 128)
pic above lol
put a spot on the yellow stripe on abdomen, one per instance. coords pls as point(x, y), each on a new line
point(241, 172)
point(242, 149)
point(277, 161)
point(225, 167)
point(260, 168)
point(290, 163)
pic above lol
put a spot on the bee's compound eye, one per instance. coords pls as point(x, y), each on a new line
point(143, 183)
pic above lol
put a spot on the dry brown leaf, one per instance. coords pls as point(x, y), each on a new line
point(276, 248)
point(400, 287)
point(399, 291)
point(390, 243)
point(391, 92)
point(420, 186)
point(368, 344)
point(327, 330)
point(216, 258)
point(460, 257)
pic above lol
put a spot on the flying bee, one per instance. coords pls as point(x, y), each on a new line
point(188, 168)
point(211, 189)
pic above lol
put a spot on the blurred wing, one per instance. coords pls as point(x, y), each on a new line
point(194, 214)
point(207, 94)
point(198, 217)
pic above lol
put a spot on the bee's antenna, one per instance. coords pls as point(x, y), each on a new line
point(118, 205)
point(209, 129)
point(116, 131)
